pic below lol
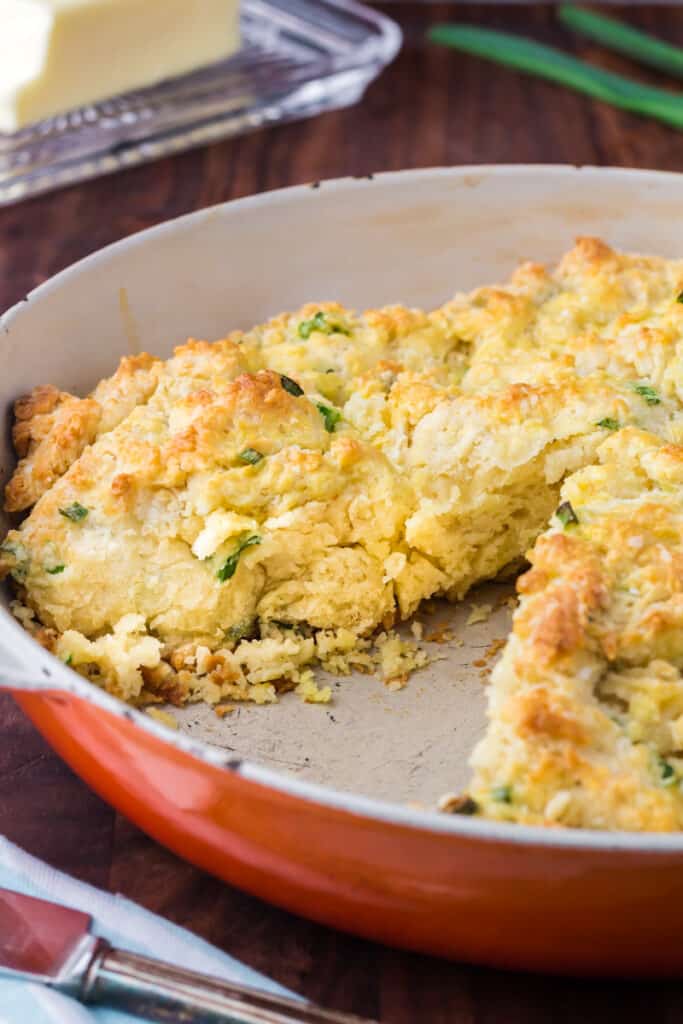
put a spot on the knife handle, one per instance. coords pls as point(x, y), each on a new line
point(161, 992)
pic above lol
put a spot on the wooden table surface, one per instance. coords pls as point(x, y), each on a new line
point(432, 107)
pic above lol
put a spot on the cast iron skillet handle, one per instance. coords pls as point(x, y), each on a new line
point(168, 994)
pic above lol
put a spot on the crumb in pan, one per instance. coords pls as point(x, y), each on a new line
point(479, 613)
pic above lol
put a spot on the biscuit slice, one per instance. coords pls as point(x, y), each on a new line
point(586, 704)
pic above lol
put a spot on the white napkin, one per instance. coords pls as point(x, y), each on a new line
point(124, 924)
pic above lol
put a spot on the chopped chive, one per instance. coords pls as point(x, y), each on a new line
point(57, 569)
point(69, 659)
point(502, 794)
point(647, 392)
point(20, 556)
point(250, 456)
point(75, 512)
point(566, 514)
point(291, 386)
point(229, 567)
point(239, 630)
point(608, 423)
point(321, 323)
point(679, 297)
point(331, 416)
point(667, 772)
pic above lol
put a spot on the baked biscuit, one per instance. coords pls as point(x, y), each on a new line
point(586, 703)
point(212, 526)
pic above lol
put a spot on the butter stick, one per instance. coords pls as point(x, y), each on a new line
point(56, 55)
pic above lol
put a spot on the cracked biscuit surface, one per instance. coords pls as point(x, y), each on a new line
point(213, 525)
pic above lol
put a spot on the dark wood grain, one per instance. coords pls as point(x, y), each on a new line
point(431, 107)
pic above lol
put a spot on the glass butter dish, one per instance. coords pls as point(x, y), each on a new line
point(298, 58)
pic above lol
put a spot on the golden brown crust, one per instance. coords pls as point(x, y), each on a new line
point(564, 590)
point(52, 428)
point(131, 385)
point(544, 715)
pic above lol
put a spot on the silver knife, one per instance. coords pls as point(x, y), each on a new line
point(50, 944)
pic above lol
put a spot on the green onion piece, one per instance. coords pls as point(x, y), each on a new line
point(20, 556)
point(291, 386)
point(679, 297)
point(250, 456)
point(667, 772)
point(548, 62)
point(239, 630)
point(624, 39)
point(502, 794)
point(57, 569)
point(69, 659)
point(608, 423)
point(566, 514)
point(320, 323)
point(76, 512)
point(648, 393)
point(229, 567)
point(331, 416)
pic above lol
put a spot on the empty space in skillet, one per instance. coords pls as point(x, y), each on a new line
point(409, 745)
